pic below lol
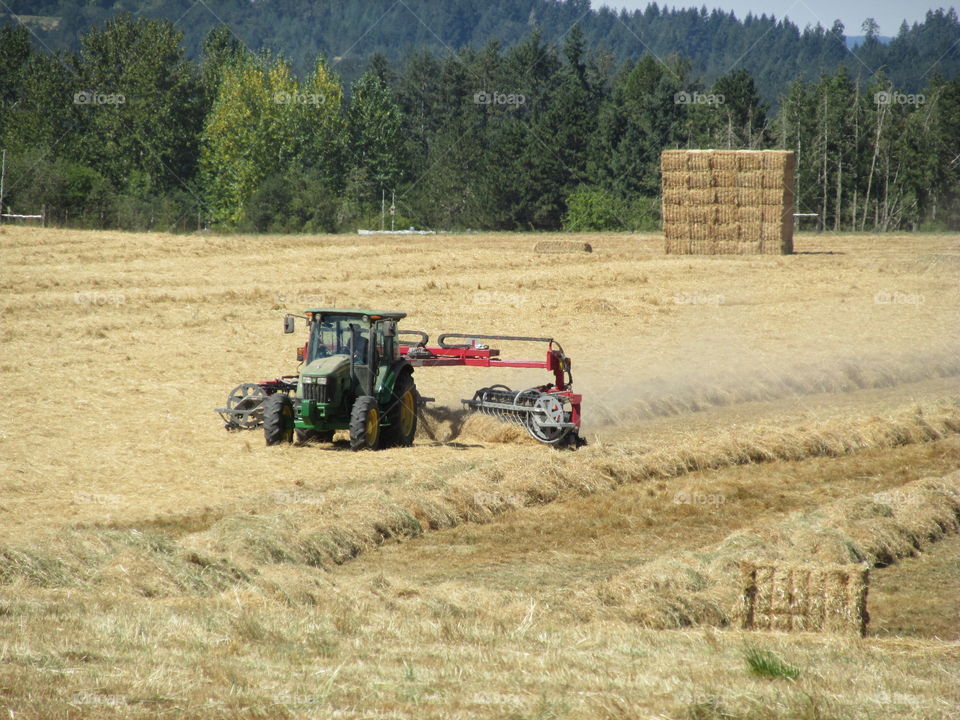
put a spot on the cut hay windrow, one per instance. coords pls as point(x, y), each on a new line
point(318, 527)
point(738, 202)
point(707, 587)
point(351, 519)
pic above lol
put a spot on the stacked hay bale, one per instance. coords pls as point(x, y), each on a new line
point(728, 201)
point(791, 597)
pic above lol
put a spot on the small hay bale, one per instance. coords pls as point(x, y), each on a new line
point(562, 246)
point(699, 180)
point(724, 178)
point(674, 180)
point(723, 160)
point(701, 196)
point(749, 179)
point(698, 160)
point(727, 196)
point(804, 598)
point(749, 160)
point(672, 160)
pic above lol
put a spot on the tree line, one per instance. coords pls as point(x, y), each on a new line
point(129, 131)
point(774, 51)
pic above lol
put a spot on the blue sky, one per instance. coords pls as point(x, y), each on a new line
point(888, 13)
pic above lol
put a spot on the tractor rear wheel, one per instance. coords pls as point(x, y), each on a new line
point(365, 424)
point(403, 414)
point(278, 419)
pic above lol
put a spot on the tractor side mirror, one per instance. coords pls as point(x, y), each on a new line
point(390, 328)
point(289, 324)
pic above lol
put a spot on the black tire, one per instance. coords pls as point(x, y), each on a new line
point(278, 419)
point(365, 424)
point(403, 414)
point(321, 436)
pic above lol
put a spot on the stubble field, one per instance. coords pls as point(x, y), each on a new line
point(798, 408)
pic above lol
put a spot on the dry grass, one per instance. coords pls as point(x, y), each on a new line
point(153, 565)
point(704, 587)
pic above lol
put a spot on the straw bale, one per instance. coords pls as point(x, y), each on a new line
point(804, 597)
point(675, 195)
point(672, 160)
point(724, 178)
point(698, 160)
point(562, 246)
point(699, 179)
point(749, 161)
point(728, 201)
point(726, 195)
point(675, 180)
point(749, 179)
point(723, 160)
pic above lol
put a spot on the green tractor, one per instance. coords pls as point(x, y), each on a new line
point(354, 378)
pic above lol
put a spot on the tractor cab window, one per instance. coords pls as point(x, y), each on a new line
point(332, 335)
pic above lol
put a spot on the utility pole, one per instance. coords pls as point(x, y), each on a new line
point(3, 172)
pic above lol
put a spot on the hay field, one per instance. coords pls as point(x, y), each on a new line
point(152, 564)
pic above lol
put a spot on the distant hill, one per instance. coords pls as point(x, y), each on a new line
point(775, 51)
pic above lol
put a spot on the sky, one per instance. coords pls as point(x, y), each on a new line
point(888, 13)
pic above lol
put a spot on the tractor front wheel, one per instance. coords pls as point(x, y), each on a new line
point(278, 419)
point(365, 424)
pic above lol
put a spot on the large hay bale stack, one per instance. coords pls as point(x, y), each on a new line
point(737, 202)
point(792, 597)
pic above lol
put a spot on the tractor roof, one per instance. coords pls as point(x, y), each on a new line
point(373, 314)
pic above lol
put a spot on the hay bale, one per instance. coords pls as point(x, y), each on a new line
point(698, 160)
point(673, 160)
point(723, 160)
point(728, 201)
point(804, 598)
point(562, 246)
point(700, 179)
point(749, 160)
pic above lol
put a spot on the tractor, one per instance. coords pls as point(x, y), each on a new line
point(357, 375)
point(353, 378)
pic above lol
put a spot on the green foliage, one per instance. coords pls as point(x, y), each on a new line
point(263, 123)
point(765, 664)
point(526, 133)
point(593, 209)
